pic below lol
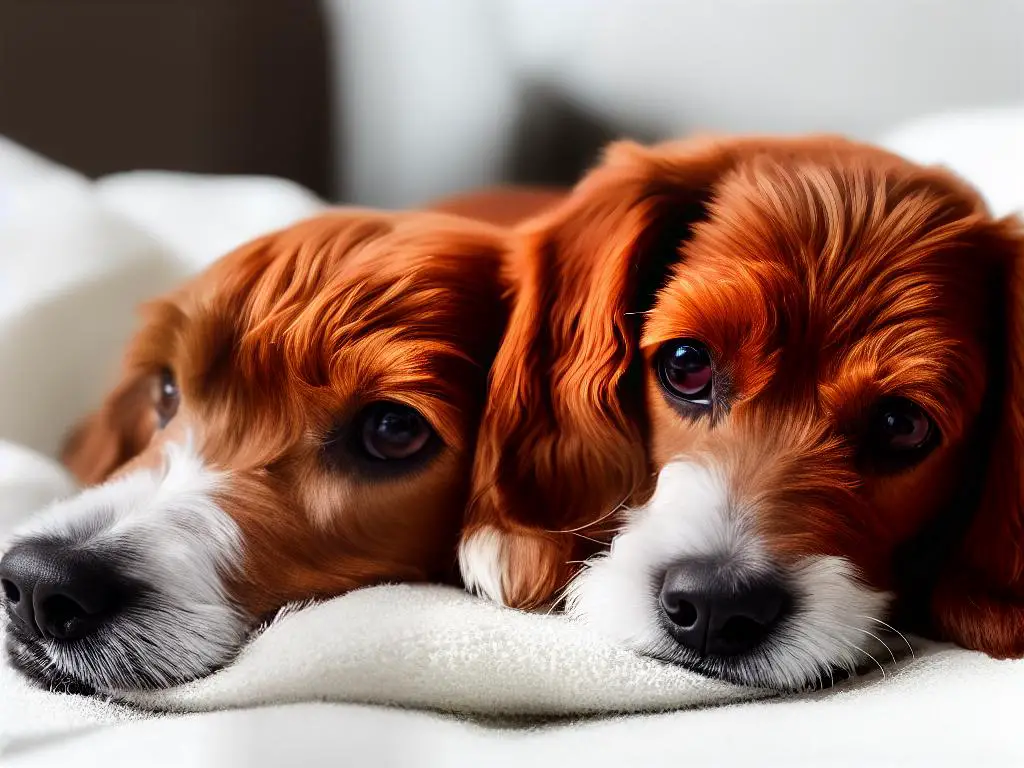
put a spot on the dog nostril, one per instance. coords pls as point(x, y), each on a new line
point(743, 620)
point(11, 591)
point(682, 612)
point(65, 618)
point(686, 616)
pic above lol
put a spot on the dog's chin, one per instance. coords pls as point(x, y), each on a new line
point(757, 668)
point(777, 663)
point(107, 666)
point(28, 656)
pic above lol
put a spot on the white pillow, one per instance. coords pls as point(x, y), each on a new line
point(986, 147)
point(71, 275)
point(78, 257)
point(201, 218)
point(28, 481)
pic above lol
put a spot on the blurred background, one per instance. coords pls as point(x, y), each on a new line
point(395, 102)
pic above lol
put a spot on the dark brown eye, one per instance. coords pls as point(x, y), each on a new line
point(900, 434)
point(167, 397)
point(900, 425)
point(685, 371)
point(391, 431)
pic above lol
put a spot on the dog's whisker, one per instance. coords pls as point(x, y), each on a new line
point(858, 648)
point(585, 526)
point(876, 638)
point(891, 628)
point(560, 596)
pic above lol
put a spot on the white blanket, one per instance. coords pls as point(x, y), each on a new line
point(75, 257)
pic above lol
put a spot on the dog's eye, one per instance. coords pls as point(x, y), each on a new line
point(685, 371)
point(390, 431)
point(900, 433)
point(901, 425)
point(167, 397)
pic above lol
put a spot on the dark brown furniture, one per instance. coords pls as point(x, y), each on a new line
point(210, 86)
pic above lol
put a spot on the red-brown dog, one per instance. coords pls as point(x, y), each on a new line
point(801, 363)
point(296, 422)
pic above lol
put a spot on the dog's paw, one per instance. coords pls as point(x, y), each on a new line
point(979, 620)
point(518, 568)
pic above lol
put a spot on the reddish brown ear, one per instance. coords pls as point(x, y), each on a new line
point(979, 600)
point(561, 445)
point(116, 433)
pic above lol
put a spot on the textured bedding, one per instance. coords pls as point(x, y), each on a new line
point(77, 256)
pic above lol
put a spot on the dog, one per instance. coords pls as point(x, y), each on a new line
point(788, 373)
point(295, 422)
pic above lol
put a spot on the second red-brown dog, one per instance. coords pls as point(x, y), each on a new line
point(798, 362)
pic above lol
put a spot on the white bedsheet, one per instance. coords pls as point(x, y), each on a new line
point(76, 256)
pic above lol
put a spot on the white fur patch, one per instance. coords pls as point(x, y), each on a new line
point(836, 625)
point(691, 516)
point(482, 563)
point(162, 529)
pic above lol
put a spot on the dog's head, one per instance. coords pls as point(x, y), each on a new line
point(296, 422)
point(801, 361)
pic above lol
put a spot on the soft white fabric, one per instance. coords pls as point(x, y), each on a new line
point(200, 218)
point(76, 259)
point(76, 256)
point(958, 710)
point(439, 648)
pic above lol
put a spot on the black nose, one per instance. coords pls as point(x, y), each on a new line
point(58, 594)
point(714, 616)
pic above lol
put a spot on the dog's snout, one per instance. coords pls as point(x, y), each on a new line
point(713, 617)
point(56, 593)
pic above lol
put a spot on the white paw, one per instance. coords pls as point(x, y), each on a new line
point(482, 557)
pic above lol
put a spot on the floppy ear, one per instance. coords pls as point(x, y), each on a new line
point(979, 598)
point(113, 435)
point(562, 442)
